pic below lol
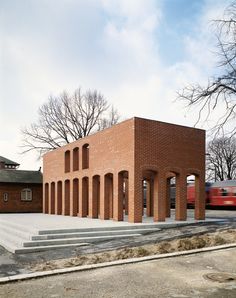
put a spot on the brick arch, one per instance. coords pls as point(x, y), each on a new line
point(173, 171)
point(192, 171)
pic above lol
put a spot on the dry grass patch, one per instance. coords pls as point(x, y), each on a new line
point(194, 242)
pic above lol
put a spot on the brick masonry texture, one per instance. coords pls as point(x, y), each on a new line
point(101, 176)
point(14, 202)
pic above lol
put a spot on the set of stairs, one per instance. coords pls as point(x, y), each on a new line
point(17, 238)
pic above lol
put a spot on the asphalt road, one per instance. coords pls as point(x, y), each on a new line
point(173, 277)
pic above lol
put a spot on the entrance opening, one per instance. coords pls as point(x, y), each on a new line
point(46, 197)
point(149, 192)
point(95, 208)
point(59, 198)
point(67, 198)
point(109, 195)
point(85, 192)
point(67, 161)
point(85, 156)
point(76, 159)
point(52, 199)
point(75, 198)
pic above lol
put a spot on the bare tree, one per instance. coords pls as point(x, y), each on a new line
point(221, 159)
point(221, 89)
point(66, 118)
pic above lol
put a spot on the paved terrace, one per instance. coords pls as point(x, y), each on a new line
point(40, 221)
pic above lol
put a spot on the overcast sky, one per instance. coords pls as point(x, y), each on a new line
point(137, 53)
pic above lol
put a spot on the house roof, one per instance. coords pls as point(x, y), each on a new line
point(8, 161)
point(20, 176)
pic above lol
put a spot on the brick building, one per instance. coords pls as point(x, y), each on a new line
point(102, 175)
point(20, 191)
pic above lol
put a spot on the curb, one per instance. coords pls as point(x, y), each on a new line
point(27, 276)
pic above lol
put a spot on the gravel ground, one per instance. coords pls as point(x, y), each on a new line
point(182, 276)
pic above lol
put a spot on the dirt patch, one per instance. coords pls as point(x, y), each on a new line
point(210, 239)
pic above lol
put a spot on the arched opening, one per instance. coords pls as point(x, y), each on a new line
point(66, 205)
point(121, 202)
point(108, 196)
point(59, 198)
point(67, 161)
point(94, 206)
point(147, 188)
point(85, 197)
point(76, 159)
point(75, 198)
point(85, 156)
point(46, 197)
point(52, 199)
point(149, 192)
point(170, 193)
point(196, 194)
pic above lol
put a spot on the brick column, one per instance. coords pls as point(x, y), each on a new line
point(66, 198)
point(126, 195)
point(200, 197)
point(168, 202)
point(159, 197)
point(104, 204)
point(181, 197)
point(135, 199)
point(118, 197)
point(110, 196)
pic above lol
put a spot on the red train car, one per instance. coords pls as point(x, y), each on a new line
point(223, 193)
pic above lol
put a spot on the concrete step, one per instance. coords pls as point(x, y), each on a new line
point(18, 227)
point(93, 233)
point(22, 250)
point(15, 232)
point(76, 240)
point(13, 239)
point(97, 229)
point(8, 245)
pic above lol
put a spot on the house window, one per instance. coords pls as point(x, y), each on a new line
point(26, 194)
point(5, 197)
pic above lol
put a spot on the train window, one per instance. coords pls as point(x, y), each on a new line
point(224, 192)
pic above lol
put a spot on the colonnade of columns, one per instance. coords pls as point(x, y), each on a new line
point(111, 196)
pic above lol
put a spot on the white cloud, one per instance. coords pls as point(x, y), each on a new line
point(121, 58)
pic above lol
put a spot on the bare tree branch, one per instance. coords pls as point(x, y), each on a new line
point(220, 90)
point(221, 159)
point(66, 118)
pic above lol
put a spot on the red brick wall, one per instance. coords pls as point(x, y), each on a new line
point(14, 203)
point(162, 148)
point(139, 146)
